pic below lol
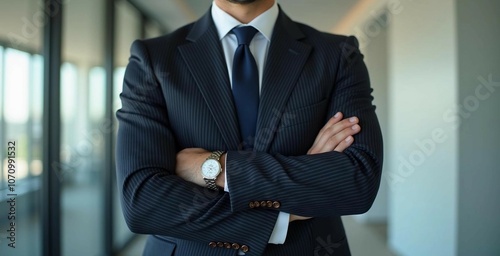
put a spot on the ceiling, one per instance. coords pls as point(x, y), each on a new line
point(321, 14)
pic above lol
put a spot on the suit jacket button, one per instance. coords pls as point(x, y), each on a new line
point(263, 203)
point(269, 204)
point(212, 244)
point(227, 245)
point(257, 204)
point(235, 246)
point(276, 204)
point(220, 244)
point(244, 248)
point(251, 205)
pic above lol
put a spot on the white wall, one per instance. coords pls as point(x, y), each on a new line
point(423, 149)
point(479, 57)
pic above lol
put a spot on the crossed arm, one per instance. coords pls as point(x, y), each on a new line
point(336, 135)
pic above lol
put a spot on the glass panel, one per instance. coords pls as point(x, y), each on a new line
point(97, 89)
point(16, 90)
point(69, 92)
point(21, 76)
point(82, 141)
point(127, 30)
point(37, 117)
point(21, 164)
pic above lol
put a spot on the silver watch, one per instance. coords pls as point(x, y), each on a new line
point(211, 168)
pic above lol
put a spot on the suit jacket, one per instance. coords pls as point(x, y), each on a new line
point(177, 95)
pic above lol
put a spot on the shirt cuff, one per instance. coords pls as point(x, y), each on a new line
point(280, 229)
point(226, 187)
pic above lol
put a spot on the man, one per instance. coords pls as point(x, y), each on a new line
point(232, 138)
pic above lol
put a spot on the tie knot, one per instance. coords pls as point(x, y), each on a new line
point(245, 34)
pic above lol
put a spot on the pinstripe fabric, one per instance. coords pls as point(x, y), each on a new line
point(176, 95)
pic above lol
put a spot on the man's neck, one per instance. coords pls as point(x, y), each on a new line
point(245, 13)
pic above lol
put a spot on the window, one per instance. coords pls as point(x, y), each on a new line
point(21, 113)
point(83, 94)
point(16, 108)
point(21, 99)
point(21, 76)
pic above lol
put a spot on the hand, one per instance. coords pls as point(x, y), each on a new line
point(189, 163)
point(336, 135)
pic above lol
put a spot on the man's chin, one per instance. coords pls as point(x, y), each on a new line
point(241, 1)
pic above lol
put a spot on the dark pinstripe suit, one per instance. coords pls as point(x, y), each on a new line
point(177, 95)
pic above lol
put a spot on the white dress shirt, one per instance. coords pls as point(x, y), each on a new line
point(259, 47)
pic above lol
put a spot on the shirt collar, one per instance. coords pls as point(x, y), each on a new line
point(264, 23)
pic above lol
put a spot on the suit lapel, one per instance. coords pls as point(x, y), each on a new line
point(285, 61)
point(205, 60)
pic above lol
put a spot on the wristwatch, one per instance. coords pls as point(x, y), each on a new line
point(211, 168)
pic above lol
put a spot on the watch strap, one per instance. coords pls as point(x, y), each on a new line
point(211, 184)
point(216, 155)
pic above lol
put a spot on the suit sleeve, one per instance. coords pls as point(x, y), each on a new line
point(156, 201)
point(328, 184)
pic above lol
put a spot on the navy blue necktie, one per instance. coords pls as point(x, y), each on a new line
point(246, 85)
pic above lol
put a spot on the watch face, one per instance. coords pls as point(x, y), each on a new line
point(210, 169)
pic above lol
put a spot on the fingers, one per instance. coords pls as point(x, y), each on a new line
point(335, 119)
point(335, 135)
point(342, 139)
point(337, 128)
point(344, 144)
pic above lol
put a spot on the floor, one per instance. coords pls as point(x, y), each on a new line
point(369, 240)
